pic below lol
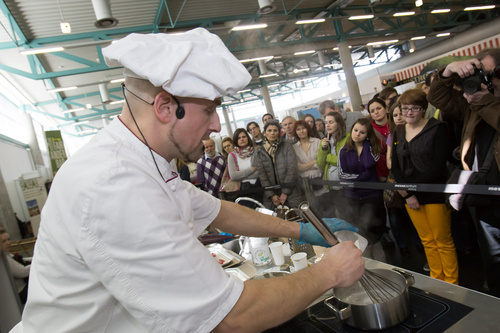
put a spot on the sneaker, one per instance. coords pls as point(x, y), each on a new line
point(426, 267)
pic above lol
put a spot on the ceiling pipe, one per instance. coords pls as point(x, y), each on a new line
point(103, 14)
point(459, 40)
point(103, 89)
point(265, 7)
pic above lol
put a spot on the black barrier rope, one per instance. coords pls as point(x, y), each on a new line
point(440, 188)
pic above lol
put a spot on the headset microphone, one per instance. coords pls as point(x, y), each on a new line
point(180, 112)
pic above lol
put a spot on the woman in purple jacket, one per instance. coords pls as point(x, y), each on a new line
point(357, 163)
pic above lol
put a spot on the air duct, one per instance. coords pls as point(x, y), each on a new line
point(103, 89)
point(103, 14)
point(265, 7)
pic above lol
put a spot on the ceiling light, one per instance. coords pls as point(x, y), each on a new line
point(265, 7)
point(273, 85)
point(243, 91)
point(361, 17)
point(103, 14)
point(418, 37)
point(268, 75)
point(80, 123)
point(117, 80)
point(304, 52)
point(336, 48)
point(257, 59)
point(444, 34)
point(74, 110)
point(249, 27)
point(419, 3)
point(412, 50)
point(383, 42)
point(88, 106)
point(403, 14)
point(321, 20)
point(440, 11)
point(298, 70)
point(117, 102)
point(479, 7)
point(62, 89)
point(65, 28)
point(43, 50)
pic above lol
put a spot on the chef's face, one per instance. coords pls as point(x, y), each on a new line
point(377, 111)
point(331, 124)
point(5, 241)
point(187, 133)
point(359, 133)
point(272, 133)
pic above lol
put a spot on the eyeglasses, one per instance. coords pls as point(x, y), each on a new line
point(405, 109)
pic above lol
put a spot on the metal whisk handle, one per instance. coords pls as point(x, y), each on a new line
point(321, 226)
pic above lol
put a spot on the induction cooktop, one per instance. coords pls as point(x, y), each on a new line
point(429, 313)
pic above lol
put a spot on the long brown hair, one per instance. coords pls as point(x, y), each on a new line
point(308, 128)
point(371, 136)
point(341, 130)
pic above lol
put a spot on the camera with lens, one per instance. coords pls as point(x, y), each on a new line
point(472, 84)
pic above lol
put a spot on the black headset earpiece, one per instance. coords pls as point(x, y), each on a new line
point(180, 112)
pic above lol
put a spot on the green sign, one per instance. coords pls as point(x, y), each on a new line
point(55, 146)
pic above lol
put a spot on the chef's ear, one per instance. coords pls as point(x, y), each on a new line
point(164, 106)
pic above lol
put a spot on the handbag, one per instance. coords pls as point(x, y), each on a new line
point(227, 184)
point(392, 198)
point(466, 177)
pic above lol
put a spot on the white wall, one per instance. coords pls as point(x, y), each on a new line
point(15, 161)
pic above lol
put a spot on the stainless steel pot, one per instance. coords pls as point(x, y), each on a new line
point(353, 306)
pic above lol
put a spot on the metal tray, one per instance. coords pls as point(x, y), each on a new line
point(225, 257)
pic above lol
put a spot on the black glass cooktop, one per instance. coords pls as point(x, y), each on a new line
point(429, 313)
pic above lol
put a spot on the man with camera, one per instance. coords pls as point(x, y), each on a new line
point(477, 104)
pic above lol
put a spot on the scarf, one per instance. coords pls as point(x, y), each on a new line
point(271, 148)
point(244, 152)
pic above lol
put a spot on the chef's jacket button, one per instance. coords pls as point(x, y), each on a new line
point(190, 225)
point(172, 187)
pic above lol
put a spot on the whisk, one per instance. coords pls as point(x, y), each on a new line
point(379, 288)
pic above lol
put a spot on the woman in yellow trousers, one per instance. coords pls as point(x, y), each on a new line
point(420, 149)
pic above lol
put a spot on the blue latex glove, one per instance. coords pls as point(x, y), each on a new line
point(309, 234)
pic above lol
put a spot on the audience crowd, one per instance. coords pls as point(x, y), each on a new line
point(397, 139)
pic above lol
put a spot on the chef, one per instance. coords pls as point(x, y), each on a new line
point(117, 249)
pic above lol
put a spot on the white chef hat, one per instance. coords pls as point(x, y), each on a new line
point(192, 64)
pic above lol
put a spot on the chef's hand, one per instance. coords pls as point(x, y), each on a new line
point(309, 234)
point(344, 264)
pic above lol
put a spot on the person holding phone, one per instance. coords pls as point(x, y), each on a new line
point(327, 160)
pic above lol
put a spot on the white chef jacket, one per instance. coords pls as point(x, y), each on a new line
point(117, 249)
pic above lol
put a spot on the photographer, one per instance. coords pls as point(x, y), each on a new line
point(478, 106)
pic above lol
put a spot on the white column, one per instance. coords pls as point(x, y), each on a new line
point(352, 81)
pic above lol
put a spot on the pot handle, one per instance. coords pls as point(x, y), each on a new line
point(410, 279)
point(342, 314)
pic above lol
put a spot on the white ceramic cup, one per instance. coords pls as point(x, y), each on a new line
point(299, 260)
point(260, 251)
point(277, 252)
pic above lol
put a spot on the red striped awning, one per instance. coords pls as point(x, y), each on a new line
point(469, 50)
